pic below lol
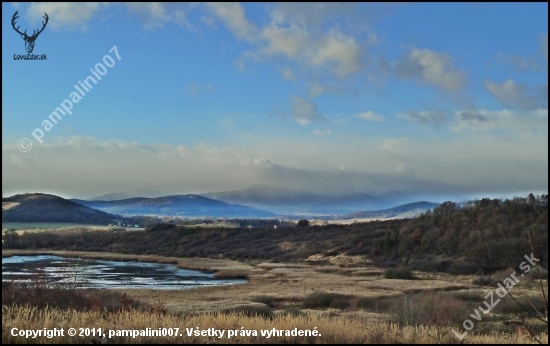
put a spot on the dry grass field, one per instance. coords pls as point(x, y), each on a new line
point(281, 291)
point(66, 228)
point(331, 330)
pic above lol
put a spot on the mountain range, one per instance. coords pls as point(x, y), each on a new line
point(115, 196)
point(252, 202)
point(299, 202)
point(177, 205)
point(270, 199)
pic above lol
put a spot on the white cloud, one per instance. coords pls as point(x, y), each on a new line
point(511, 94)
point(321, 133)
point(304, 112)
point(424, 117)
point(518, 61)
point(405, 170)
point(232, 14)
point(339, 51)
point(506, 119)
point(371, 116)
point(319, 50)
point(431, 67)
point(66, 14)
point(316, 89)
point(394, 144)
point(156, 14)
point(87, 167)
point(288, 41)
point(287, 74)
point(316, 14)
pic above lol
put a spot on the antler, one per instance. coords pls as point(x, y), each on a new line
point(34, 34)
point(13, 19)
point(43, 25)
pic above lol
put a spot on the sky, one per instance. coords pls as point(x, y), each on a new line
point(444, 99)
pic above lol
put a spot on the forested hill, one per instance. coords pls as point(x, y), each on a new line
point(39, 207)
point(492, 234)
point(480, 237)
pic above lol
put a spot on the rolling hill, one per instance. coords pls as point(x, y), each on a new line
point(38, 207)
point(127, 194)
point(178, 205)
point(408, 210)
point(348, 203)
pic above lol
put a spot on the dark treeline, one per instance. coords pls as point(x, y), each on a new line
point(268, 243)
point(487, 234)
point(481, 237)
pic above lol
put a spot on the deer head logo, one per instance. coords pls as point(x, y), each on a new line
point(29, 40)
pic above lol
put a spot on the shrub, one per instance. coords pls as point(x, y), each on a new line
point(38, 294)
point(303, 223)
point(264, 300)
point(533, 275)
point(406, 311)
point(532, 303)
point(318, 300)
point(341, 303)
point(484, 281)
point(231, 274)
point(462, 268)
point(373, 304)
point(427, 265)
point(403, 273)
point(293, 312)
point(430, 308)
point(468, 296)
point(251, 311)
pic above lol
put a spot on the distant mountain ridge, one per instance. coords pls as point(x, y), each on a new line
point(265, 201)
point(268, 195)
point(292, 201)
point(349, 203)
point(408, 210)
point(177, 205)
point(115, 196)
point(39, 207)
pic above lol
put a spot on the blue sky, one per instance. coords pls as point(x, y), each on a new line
point(434, 99)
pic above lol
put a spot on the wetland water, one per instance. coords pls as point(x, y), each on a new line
point(91, 273)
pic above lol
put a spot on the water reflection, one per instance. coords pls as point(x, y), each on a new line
point(88, 273)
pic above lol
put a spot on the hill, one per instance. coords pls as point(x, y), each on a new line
point(127, 194)
point(481, 237)
point(408, 210)
point(268, 196)
point(348, 203)
point(178, 205)
point(38, 207)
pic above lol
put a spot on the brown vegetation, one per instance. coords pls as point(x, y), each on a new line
point(322, 276)
point(481, 238)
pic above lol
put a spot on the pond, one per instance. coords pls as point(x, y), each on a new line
point(91, 273)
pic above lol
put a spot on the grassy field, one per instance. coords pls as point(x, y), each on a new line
point(65, 228)
point(331, 330)
point(389, 281)
point(347, 299)
point(44, 225)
